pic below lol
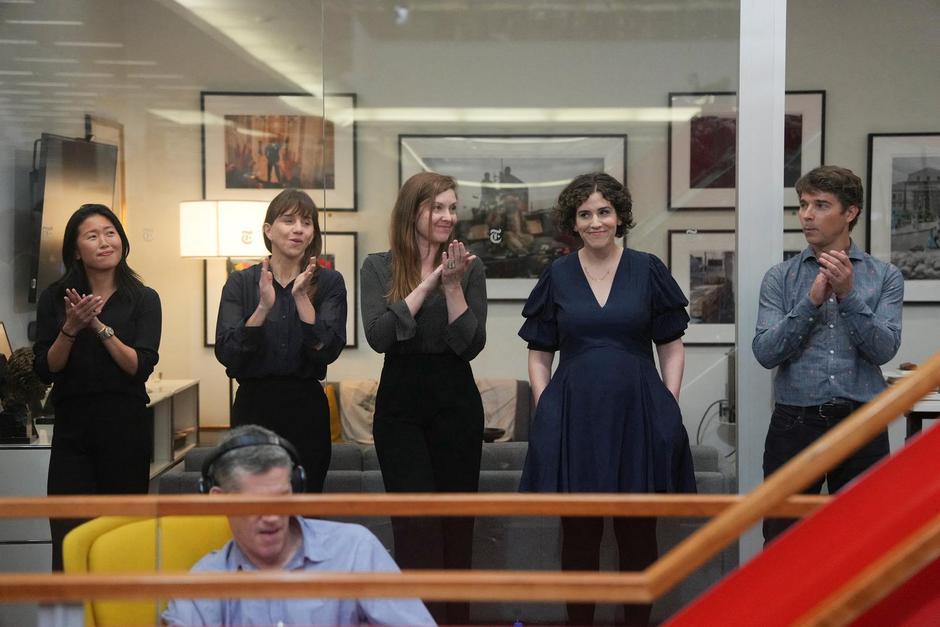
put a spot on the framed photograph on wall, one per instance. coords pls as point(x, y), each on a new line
point(903, 209)
point(703, 264)
point(340, 252)
point(507, 187)
point(105, 131)
point(254, 145)
point(794, 243)
point(703, 150)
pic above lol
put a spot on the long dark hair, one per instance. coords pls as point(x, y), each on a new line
point(127, 281)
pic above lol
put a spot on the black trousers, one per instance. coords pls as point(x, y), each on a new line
point(580, 550)
point(101, 445)
point(428, 432)
point(295, 409)
point(792, 430)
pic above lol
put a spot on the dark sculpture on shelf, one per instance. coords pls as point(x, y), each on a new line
point(21, 394)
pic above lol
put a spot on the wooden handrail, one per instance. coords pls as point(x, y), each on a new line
point(482, 585)
point(499, 504)
point(824, 454)
point(733, 514)
point(878, 580)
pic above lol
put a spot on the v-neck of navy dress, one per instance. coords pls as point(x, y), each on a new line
point(606, 422)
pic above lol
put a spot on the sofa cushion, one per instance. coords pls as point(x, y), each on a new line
point(499, 405)
point(357, 405)
point(503, 455)
point(370, 460)
point(346, 456)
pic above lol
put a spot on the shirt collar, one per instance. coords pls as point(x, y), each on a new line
point(854, 252)
point(312, 549)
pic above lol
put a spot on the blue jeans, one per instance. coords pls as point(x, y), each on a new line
point(792, 430)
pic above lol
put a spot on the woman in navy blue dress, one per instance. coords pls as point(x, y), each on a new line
point(606, 421)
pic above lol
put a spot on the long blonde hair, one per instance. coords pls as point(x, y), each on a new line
point(292, 201)
point(418, 192)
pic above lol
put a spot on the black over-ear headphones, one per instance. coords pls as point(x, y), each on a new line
point(298, 477)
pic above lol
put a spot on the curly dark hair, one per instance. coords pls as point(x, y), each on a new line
point(578, 191)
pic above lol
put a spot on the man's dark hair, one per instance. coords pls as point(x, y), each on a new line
point(579, 189)
point(832, 179)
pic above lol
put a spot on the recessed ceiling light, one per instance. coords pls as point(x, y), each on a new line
point(45, 60)
point(46, 22)
point(88, 44)
point(181, 87)
point(155, 76)
point(19, 42)
point(15, 73)
point(41, 84)
point(85, 74)
point(115, 86)
point(123, 62)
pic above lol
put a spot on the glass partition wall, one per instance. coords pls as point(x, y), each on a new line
point(230, 101)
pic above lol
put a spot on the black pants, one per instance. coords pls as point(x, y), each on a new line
point(580, 550)
point(101, 445)
point(295, 409)
point(428, 431)
point(792, 430)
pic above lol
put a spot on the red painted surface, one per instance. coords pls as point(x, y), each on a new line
point(815, 558)
point(914, 604)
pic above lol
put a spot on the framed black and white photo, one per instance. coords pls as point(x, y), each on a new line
point(794, 243)
point(904, 209)
point(340, 252)
point(703, 149)
point(254, 145)
point(703, 264)
point(507, 188)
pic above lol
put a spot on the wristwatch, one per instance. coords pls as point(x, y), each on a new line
point(105, 332)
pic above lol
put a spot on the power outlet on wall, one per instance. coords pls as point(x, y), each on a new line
point(725, 412)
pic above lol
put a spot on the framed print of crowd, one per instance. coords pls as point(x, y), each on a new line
point(254, 145)
point(507, 189)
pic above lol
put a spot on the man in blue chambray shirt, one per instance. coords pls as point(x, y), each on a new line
point(828, 318)
point(254, 460)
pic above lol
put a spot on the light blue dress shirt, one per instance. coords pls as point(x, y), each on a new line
point(835, 350)
point(327, 547)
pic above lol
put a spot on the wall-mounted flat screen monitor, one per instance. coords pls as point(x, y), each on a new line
point(69, 174)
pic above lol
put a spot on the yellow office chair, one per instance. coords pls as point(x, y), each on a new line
point(124, 544)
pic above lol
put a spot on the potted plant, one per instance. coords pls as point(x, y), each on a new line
point(21, 394)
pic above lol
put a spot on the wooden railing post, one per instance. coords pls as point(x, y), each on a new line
point(824, 454)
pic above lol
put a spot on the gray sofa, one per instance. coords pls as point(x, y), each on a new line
point(510, 543)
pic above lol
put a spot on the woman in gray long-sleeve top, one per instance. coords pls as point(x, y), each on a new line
point(424, 306)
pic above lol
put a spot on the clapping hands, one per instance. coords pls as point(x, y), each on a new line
point(454, 263)
point(80, 310)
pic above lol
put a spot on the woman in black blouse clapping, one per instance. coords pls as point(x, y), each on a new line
point(98, 332)
point(281, 322)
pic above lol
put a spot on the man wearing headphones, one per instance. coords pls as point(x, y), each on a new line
point(254, 460)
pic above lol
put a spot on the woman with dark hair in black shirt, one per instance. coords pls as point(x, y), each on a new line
point(98, 331)
point(281, 322)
